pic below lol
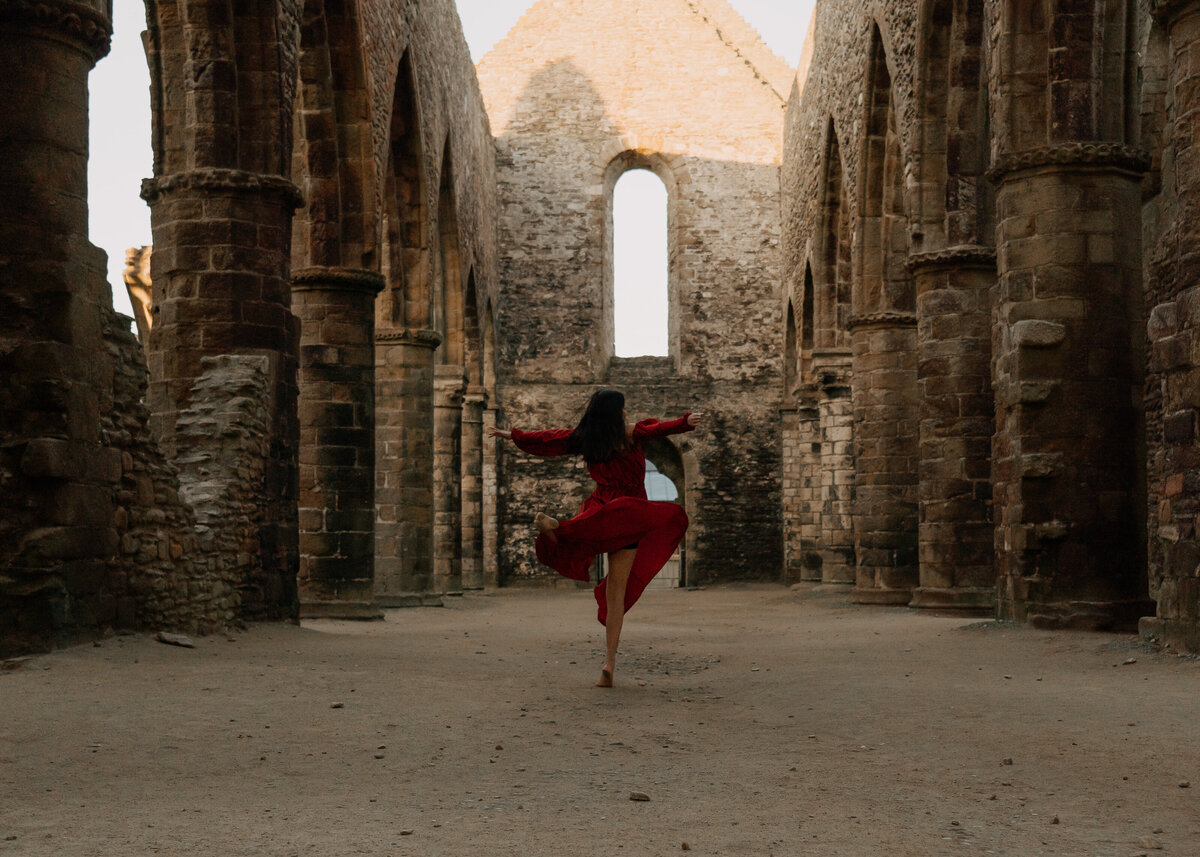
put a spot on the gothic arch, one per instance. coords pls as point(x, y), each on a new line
point(405, 301)
point(882, 284)
point(331, 160)
point(448, 299)
point(952, 200)
point(832, 308)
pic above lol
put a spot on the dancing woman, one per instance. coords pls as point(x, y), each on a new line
point(639, 535)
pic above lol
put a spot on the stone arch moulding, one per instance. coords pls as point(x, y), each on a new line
point(332, 159)
point(448, 298)
point(404, 224)
point(620, 160)
point(832, 311)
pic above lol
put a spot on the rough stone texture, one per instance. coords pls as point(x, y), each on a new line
point(97, 529)
point(1171, 99)
point(578, 93)
point(1021, 142)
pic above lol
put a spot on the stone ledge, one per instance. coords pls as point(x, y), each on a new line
point(960, 256)
point(887, 319)
point(323, 279)
point(1116, 156)
point(219, 179)
point(409, 336)
point(958, 599)
point(357, 610)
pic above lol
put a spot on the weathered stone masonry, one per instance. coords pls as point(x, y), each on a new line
point(1030, 136)
point(578, 93)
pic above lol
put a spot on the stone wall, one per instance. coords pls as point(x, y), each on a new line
point(1017, 166)
point(578, 93)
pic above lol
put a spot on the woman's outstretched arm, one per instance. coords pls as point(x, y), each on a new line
point(647, 429)
point(549, 442)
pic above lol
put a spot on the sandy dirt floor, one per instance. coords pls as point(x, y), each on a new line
point(757, 720)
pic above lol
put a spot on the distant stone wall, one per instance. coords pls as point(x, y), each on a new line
point(578, 93)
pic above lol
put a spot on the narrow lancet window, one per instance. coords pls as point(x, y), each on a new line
point(640, 265)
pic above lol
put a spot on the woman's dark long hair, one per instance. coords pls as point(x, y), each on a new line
point(601, 432)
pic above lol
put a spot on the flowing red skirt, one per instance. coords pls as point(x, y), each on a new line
point(656, 527)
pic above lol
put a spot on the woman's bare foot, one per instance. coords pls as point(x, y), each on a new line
point(546, 525)
point(606, 677)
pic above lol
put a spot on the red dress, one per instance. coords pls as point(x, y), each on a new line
point(615, 516)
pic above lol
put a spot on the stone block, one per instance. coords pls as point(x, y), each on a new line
point(1031, 333)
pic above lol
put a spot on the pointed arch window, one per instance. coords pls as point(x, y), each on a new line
point(640, 263)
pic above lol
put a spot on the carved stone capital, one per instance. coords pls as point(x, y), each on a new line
point(449, 386)
point(219, 180)
point(415, 336)
point(832, 371)
point(1115, 156)
point(960, 256)
point(324, 279)
point(881, 320)
point(87, 25)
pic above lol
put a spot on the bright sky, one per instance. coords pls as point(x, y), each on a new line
point(120, 134)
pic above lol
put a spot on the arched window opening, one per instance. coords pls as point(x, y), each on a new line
point(640, 299)
point(806, 329)
point(658, 485)
point(791, 358)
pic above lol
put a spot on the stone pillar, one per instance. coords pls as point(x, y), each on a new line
point(336, 307)
point(221, 289)
point(885, 442)
point(836, 410)
point(404, 465)
point(57, 478)
point(1174, 331)
point(449, 385)
point(954, 391)
point(1065, 364)
point(491, 544)
point(802, 487)
point(472, 488)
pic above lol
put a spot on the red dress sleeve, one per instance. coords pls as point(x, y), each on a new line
point(549, 442)
point(647, 429)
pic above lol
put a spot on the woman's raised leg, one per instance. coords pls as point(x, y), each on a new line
point(619, 564)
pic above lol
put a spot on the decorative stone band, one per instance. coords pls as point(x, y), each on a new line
point(419, 337)
point(1168, 10)
point(85, 23)
point(882, 320)
point(1114, 156)
point(323, 279)
point(960, 256)
point(220, 180)
point(475, 396)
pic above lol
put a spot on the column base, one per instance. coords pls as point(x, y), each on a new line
point(1175, 633)
point(889, 597)
point(408, 599)
point(960, 599)
point(363, 610)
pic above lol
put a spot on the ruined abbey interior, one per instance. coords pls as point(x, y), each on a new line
point(938, 293)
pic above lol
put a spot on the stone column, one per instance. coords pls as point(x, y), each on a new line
point(954, 387)
point(836, 546)
point(801, 486)
point(222, 290)
point(885, 442)
point(336, 307)
point(1174, 331)
point(404, 465)
point(472, 488)
point(449, 385)
point(491, 545)
point(1065, 364)
point(57, 478)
